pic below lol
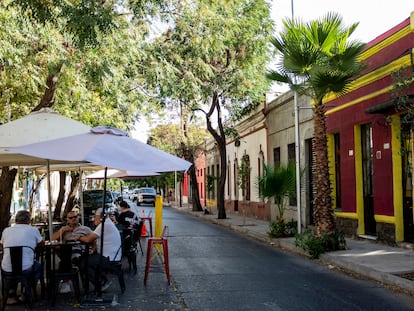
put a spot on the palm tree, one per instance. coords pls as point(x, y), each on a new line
point(317, 58)
point(278, 182)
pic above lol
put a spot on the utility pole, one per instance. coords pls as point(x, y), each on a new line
point(297, 149)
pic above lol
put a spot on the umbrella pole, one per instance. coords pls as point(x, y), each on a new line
point(103, 219)
point(80, 192)
point(49, 198)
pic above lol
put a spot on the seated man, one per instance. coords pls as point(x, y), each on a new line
point(69, 232)
point(72, 230)
point(111, 249)
point(21, 234)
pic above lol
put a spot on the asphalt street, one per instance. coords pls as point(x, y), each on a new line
point(215, 268)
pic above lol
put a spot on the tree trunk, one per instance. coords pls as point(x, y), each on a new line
point(323, 213)
point(74, 186)
point(61, 196)
point(189, 156)
point(6, 185)
point(33, 190)
point(48, 98)
point(194, 190)
point(220, 138)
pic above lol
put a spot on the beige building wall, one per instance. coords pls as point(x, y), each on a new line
point(281, 131)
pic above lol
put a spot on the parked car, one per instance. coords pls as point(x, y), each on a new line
point(92, 200)
point(146, 195)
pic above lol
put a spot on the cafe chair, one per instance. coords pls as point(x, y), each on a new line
point(25, 278)
point(64, 271)
point(130, 241)
point(115, 267)
point(129, 249)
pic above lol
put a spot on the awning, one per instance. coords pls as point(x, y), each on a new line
point(382, 108)
point(389, 106)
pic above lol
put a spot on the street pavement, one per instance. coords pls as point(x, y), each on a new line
point(363, 258)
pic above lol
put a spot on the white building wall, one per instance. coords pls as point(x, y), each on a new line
point(281, 131)
point(254, 145)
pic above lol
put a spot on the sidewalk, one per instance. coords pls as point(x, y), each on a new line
point(379, 262)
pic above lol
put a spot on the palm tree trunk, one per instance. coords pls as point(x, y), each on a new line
point(323, 212)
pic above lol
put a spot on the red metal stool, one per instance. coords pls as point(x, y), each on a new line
point(152, 242)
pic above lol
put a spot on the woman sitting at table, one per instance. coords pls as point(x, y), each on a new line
point(111, 248)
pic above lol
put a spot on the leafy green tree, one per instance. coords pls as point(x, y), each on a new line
point(317, 59)
point(78, 56)
point(171, 138)
point(212, 59)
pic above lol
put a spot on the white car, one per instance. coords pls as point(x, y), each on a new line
point(146, 195)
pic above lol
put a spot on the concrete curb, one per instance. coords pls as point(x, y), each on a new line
point(382, 277)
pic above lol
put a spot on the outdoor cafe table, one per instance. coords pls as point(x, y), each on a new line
point(49, 257)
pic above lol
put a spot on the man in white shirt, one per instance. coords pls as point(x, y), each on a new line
point(21, 234)
point(111, 247)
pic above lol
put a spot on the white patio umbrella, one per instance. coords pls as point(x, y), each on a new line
point(109, 147)
point(111, 173)
point(37, 126)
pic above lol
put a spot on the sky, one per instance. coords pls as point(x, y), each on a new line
point(374, 16)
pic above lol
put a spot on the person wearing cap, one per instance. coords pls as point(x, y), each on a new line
point(67, 233)
point(72, 230)
point(21, 234)
point(111, 250)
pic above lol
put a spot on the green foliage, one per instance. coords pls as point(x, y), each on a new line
point(169, 137)
point(317, 57)
point(87, 21)
point(94, 82)
point(280, 230)
point(319, 245)
point(243, 172)
point(215, 47)
point(278, 182)
point(403, 79)
point(210, 181)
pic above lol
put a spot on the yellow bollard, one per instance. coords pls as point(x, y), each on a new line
point(158, 216)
